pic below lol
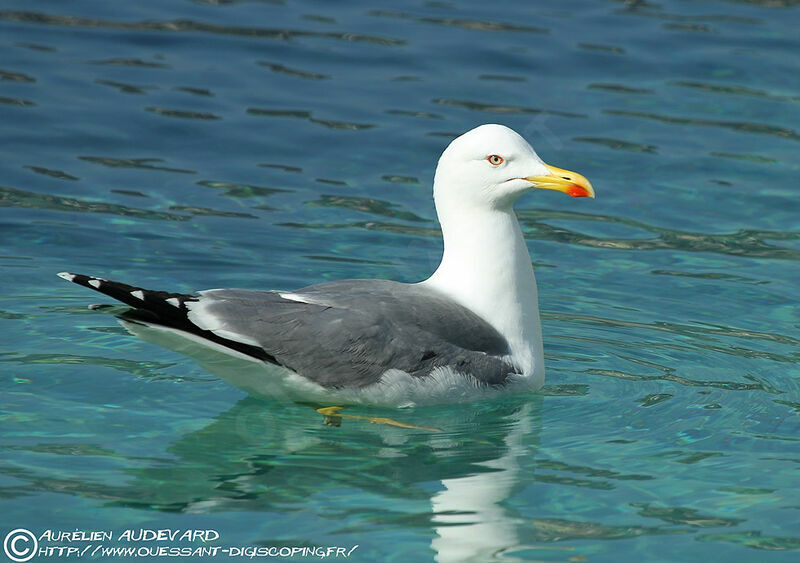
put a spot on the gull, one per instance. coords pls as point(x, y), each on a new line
point(470, 330)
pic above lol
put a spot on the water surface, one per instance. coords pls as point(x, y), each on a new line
point(185, 145)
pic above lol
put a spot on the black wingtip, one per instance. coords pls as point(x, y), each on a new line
point(131, 295)
point(166, 308)
point(160, 308)
point(92, 282)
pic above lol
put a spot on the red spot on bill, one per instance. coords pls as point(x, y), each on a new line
point(578, 191)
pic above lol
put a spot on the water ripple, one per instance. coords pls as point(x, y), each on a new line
point(409, 113)
point(366, 205)
point(710, 276)
point(12, 197)
point(347, 260)
point(52, 173)
point(746, 157)
point(565, 390)
point(195, 91)
point(590, 471)
point(557, 529)
point(192, 26)
point(232, 189)
point(284, 167)
point(305, 114)
point(602, 48)
point(675, 328)
point(755, 540)
point(123, 87)
point(182, 114)
point(619, 88)
point(344, 125)
point(617, 144)
point(140, 368)
point(130, 62)
point(477, 25)
point(283, 69)
point(195, 210)
point(501, 108)
point(36, 47)
point(685, 381)
point(16, 102)
point(8, 76)
point(732, 89)
point(693, 27)
point(746, 242)
point(686, 516)
point(142, 163)
point(382, 226)
point(502, 77)
point(654, 399)
point(652, 10)
point(330, 181)
point(792, 405)
point(396, 179)
point(742, 126)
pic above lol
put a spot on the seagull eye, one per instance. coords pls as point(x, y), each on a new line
point(495, 160)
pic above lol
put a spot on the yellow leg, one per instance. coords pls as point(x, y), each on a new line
point(334, 418)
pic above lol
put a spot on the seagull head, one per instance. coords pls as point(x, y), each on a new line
point(492, 165)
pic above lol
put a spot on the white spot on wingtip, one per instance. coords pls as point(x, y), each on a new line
point(173, 301)
point(94, 283)
point(66, 275)
point(138, 294)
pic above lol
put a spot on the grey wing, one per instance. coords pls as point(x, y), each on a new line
point(347, 334)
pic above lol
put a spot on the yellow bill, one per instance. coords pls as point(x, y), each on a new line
point(561, 180)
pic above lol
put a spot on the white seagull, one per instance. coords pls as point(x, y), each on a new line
point(470, 329)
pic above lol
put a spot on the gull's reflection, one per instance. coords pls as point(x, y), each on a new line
point(474, 523)
point(262, 456)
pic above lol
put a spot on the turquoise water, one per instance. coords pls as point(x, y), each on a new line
point(185, 145)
